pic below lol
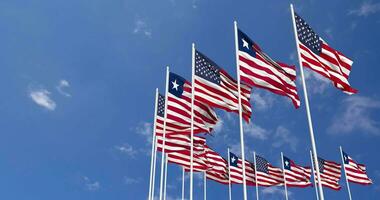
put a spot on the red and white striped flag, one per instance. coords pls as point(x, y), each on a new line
point(268, 175)
point(216, 166)
point(295, 175)
point(182, 158)
point(236, 171)
point(217, 88)
point(259, 70)
point(317, 55)
point(330, 173)
point(179, 142)
point(356, 173)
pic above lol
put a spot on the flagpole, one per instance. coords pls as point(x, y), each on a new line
point(164, 133)
point(315, 180)
point(205, 185)
point(192, 120)
point(345, 173)
point(240, 112)
point(283, 172)
point(166, 176)
point(154, 166)
point(183, 183)
point(314, 148)
point(153, 147)
point(257, 184)
point(229, 175)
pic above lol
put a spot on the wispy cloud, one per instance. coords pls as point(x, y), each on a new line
point(126, 149)
point(283, 137)
point(145, 129)
point(42, 98)
point(355, 114)
point(329, 32)
point(90, 185)
point(366, 8)
point(275, 192)
point(262, 100)
point(317, 83)
point(256, 131)
point(141, 27)
point(132, 181)
point(62, 85)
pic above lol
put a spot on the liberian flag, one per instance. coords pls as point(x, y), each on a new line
point(356, 173)
point(295, 175)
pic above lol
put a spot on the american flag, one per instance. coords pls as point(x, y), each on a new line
point(321, 58)
point(258, 69)
point(236, 171)
point(356, 173)
point(330, 173)
point(217, 88)
point(182, 158)
point(295, 175)
point(267, 175)
point(216, 166)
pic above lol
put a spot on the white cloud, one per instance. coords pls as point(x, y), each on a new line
point(275, 192)
point(129, 180)
point(262, 100)
point(141, 27)
point(127, 149)
point(42, 98)
point(219, 126)
point(366, 8)
point(356, 115)
point(255, 131)
point(328, 32)
point(146, 130)
point(284, 137)
point(316, 83)
point(90, 185)
point(61, 86)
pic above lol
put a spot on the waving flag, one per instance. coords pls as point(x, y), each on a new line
point(267, 175)
point(217, 88)
point(356, 173)
point(179, 110)
point(216, 166)
point(330, 173)
point(236, 171)
point(295, 175)
point(317, 55)
point(258, 69)
point(178, 142)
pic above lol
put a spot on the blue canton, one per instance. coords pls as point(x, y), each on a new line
point(206, 68)
point(307, 36)
point(233, 160)
point(176, 83)
point(246, 44)
point(287, 164)
point(161, 105)
point(261, 164)
point(345, 158)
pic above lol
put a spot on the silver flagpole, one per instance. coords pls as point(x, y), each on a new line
point(315, 180)
point(229, 175)
point(257, 184)
point(283, 172)
point(205, 185)
point(154, 167)
point(183, 183)
point(345, 173)
point(152, 160)
point(164, 134)
point(166, 176)
point(192, 120)
point(240, 111)
point(314, 148)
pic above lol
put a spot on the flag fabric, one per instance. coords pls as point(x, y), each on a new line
point(330, 173)
point(182, 158)
point(179, 142)
point(236, 171)
point(216, 166)
point(178, 119)
point(317, 55)
point(356, 173)
point(268, 175)
point(215, 87)
point(295, 175)
point(259, 70)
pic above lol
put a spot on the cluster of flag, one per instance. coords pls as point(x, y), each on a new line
point(187, 108)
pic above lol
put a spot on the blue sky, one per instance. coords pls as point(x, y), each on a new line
point(78, 80)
